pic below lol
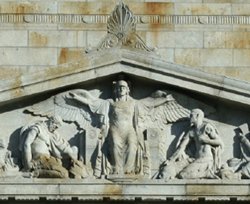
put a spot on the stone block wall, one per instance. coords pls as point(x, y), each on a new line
point(212, 35)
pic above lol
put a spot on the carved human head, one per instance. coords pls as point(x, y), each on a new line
point(196, 117)
point(121, 88)
point(54, 122)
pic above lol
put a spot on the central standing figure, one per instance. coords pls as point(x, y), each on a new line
point(122, 129)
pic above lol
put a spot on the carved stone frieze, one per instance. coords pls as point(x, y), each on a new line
point(139, 19)
point(122, 123)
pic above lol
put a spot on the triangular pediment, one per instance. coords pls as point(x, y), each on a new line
point(118, 124)
point(100, 64)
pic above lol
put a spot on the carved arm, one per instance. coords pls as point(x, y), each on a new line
point(181, 148)
point(85, 97)
point(244, 140)
point(160, 97)
point(27, 148)
point(211, 136)
point(213, 142)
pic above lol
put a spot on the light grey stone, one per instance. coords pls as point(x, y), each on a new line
point(11, 38)
point(122, 123)
point(206, 161)
point(28, 56)
point(43, 148)
point(54, 38)
point(119, 110)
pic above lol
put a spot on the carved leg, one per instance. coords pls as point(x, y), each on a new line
point(197, 170)
point(117, 146)
point(245, 171)
point(131, 152)
point(49, 167)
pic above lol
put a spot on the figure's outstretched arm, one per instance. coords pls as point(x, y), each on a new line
point(244, 140)
point(84, 97)
point(180, 152)
point(158, 98)
point(27, 148)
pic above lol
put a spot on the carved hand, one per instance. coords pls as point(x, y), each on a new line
point(77, 97)
point(159, 94)
point(240, 135)
point(178, 156)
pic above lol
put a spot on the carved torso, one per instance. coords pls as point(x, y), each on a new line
point(121, 114)
point(203, 150)
point(41, 144)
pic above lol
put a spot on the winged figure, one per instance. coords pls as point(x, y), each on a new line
point(121, 121)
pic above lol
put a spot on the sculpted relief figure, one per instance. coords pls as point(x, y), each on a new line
point(42, 149)
point(208, 147)
point(121, 122)
point(8, 168)
point(241, 166)
point(120, 113)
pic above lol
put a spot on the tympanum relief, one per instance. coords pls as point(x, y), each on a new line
point(131, 135)
point(121, 122)
point(114, 132)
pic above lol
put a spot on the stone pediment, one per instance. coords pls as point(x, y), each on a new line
point(148, 67)
point(123, 123)
point(99, 64)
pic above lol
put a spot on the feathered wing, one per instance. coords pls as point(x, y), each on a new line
point(191, 102)
point(67, 107)
point(159, 111)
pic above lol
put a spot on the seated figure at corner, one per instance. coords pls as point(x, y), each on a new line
point(42, 149)
point(241, 166)
point(8, 168)
point(208, 147)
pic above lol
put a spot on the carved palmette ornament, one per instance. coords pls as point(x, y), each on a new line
point(121, 22)
point(121, 31)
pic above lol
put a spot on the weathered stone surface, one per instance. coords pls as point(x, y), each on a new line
point(175, 39)
point(166, 54)
point(215, 57)
point(240, 72)
point(241, 28)
point(28, 7)
point(202, 8)
point(105, 8)
point(208, 25)
point(50, 63)
point(241, 57)
point(11, 38)
point(56, 39)
point(67, 55)
point(204, 57)
point(241, 9)
point(177, 190)
point(92, 36)
point(28, 56)
point(204, 27)
point(227, 40)
point(175, 1)
point(191, 57)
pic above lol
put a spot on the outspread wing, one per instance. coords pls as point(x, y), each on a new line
point(162, 108)
point(192, 102)
point(69, 109)
point(157, 111)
